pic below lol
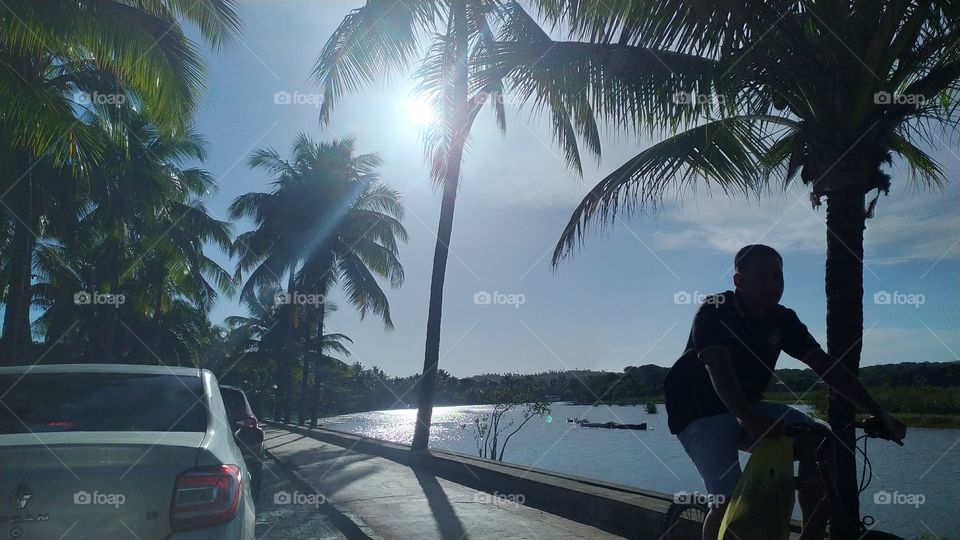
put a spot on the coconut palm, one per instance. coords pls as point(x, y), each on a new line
point(328, 222)
point(53, 58)
point(744, 97)
point(258, 340)
point(383, 37)
point(135, 227)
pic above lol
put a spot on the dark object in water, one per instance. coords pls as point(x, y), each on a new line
point(613, 425)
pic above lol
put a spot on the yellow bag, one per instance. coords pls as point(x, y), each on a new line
point(762, 502)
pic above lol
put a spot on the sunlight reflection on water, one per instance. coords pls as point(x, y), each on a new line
point(397, 425)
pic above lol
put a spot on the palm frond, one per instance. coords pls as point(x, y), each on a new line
point(373, 41)
point(362, 290)
point(727, 153)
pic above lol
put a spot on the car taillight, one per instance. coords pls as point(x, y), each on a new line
point(252, 422)
point(205, 496)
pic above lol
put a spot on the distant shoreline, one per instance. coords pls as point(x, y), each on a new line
point(935, 420)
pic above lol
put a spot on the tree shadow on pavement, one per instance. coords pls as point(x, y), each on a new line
point(443, 512)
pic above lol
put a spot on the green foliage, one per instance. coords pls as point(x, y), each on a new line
point(327, 222)
point(744, 97)
point(95, 140)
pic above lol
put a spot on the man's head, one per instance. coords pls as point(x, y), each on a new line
point(759, 275)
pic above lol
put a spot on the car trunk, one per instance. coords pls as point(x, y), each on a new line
point(92, 484)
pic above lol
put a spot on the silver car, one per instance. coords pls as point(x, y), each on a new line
point(119, 451)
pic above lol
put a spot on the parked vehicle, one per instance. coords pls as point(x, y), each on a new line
point(118, 451)
point(241, 416)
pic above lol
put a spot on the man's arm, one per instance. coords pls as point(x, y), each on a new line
point(849, 386)
point(717, 360)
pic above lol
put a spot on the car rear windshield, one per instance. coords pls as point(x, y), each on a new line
point(235, 403)
point(101, 402)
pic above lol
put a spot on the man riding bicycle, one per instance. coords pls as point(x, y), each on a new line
point(714, 390)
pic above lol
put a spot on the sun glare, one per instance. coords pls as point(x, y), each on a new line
point(420, 112)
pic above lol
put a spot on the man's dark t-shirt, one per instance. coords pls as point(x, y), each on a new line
point(754, 346)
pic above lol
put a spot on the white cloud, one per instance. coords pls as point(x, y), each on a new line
point(906, 227)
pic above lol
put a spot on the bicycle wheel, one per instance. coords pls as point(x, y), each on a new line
point(684, 521)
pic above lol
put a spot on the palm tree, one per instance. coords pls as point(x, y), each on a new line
point(383, 37)
point(327, 222)
point(747, 93)
point(51, 54)
point(137, 227)
point(257, 339)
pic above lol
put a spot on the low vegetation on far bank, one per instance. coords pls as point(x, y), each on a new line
point(916, 406)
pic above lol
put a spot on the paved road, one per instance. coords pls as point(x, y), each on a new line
point(285, 512)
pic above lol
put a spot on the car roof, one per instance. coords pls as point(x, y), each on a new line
point(102, 368)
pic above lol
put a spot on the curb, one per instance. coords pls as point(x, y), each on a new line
point(345, 521)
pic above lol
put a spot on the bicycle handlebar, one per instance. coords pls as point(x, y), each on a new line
point(872, 427)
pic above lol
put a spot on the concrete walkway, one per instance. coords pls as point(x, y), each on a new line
point(396, 501)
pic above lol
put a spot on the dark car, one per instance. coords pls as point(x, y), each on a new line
point(241, 416)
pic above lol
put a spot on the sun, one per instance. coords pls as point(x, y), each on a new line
point(420, 112)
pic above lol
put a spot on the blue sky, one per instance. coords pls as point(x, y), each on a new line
point(613, 305)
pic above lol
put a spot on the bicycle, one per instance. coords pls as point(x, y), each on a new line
point(684, 520)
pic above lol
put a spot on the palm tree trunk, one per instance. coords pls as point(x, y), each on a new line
point(289, 356)
point(16, 318)
point(110, 341)
point(844, 287)
point(428, 381)
point(431, 359)
point(306, 328)
point(315, 398)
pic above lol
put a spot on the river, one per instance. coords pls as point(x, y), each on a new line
point(913, 489)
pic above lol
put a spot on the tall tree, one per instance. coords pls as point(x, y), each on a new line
point(55, 57)
point(328, 222)
point(383, 37)
point(743, 94)
point(135, 229)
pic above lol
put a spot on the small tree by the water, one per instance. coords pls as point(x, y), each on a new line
point(492, 431)
point(651, 407)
